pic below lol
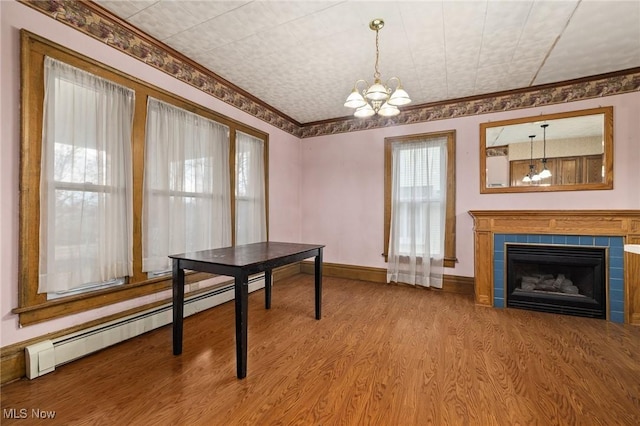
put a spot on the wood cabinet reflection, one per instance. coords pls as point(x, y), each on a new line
point(564, 171)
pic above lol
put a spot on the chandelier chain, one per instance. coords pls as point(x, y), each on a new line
point(376, 74)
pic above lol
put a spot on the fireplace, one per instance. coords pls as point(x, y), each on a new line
point(612, 229)
point(569, 280)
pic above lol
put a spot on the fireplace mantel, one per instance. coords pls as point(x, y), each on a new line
point(620, 223)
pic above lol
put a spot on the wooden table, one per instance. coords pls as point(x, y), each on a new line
point(240, 262)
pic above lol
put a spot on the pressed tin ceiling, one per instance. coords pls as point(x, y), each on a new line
point(292, 63)
point(303, 57)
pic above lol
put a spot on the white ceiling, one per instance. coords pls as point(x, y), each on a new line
point(303, 57)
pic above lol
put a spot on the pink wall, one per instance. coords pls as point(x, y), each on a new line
point(284, 157)
point(343, 183)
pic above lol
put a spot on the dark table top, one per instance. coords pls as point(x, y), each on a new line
point(248, 254)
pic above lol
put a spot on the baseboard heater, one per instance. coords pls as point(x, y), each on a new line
point(43, 357)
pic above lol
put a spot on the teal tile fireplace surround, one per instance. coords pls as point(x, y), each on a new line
point(610, 229)
point(615, 264)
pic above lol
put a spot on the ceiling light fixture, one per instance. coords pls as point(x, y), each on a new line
point(377, 98)
point(545, 173)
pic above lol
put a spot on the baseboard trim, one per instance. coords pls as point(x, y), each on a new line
point(451, 283)
point(352, 272)
point(285, 271)
point(459, 284)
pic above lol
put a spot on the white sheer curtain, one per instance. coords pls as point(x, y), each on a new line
point(251, 214)
point(416, 241)
point(187, 202)
point(86, 213)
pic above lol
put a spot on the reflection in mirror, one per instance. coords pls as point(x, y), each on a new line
point(556, 152)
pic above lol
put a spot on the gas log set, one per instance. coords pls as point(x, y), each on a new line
point(547, 282)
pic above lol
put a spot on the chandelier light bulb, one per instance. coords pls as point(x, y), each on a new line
point(364, 111)
point(377, 92)
point(355, 100)
point(378, 98)
point(387, 110)
point(399, 97)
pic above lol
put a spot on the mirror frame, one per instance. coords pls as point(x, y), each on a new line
point(607, 153)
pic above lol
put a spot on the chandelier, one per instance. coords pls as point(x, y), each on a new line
point(378, 98)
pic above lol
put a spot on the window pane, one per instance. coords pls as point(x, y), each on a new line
point(85, 196)
point(187, 201)
point(251, 222)
point(418, 196)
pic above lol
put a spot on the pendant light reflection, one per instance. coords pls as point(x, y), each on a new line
point(532, 176)
point(545, 173)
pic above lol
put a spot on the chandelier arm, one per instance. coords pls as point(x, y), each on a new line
point(364, 90)
point(388, 83)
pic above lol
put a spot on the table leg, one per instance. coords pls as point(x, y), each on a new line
point(318, 273)
point(242, 301)
point(267, 289)
point(178, 306)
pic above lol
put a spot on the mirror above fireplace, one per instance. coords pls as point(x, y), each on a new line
point(568, 151)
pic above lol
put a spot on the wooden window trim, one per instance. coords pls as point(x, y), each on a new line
point(450, 219)
point(33, 307)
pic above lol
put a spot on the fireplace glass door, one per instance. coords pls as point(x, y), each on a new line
point(557, 279)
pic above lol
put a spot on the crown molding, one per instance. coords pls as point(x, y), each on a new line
point(96, 22)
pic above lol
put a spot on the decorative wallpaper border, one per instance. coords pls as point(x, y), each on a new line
point(535, 97)
point(84, 17)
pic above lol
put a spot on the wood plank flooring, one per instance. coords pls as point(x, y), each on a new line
point(381, 355)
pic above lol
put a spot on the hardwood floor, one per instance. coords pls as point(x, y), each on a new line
point(381, 355)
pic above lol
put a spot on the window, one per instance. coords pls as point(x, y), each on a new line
point(413, 180)
point(87, 182)
point(186, 204)
point(85, 188)
point(251, 219)
point(420, 191)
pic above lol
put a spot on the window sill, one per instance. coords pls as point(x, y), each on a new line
point(57, 308)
